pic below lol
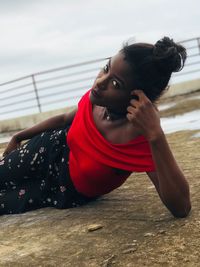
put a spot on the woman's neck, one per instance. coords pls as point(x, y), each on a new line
point(111, 115)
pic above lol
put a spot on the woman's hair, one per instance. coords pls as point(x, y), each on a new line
point(153, 64)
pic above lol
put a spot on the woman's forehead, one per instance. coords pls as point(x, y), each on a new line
point(120, 67)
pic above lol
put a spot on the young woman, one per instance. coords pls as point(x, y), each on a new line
point(73, 158)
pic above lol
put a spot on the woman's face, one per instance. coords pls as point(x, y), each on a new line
point(113, 85)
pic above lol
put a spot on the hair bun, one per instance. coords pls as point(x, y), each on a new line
point(169, 56)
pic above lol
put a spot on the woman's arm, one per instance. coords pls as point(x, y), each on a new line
point(55, 122)
point(52, 123)
point(168, 179)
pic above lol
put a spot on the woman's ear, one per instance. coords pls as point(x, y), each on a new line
point(133, 96)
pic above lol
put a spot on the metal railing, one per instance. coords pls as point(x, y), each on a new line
point(193, 59)
point(63, 87)
point(47, 90)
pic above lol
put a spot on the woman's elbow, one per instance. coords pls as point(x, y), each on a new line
point(183, 212)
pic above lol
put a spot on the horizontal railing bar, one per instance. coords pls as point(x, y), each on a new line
point(45, 96)
point(194, 55)
point(192, 63)
point(67, 75)
point(61, 100)
point(188, 40)
point(16, 95)
point(16, 80)
point(18, 102)
point(64, 92)
point(16, 88)
point(48, 103)
point(187, 72)
point(72, 66)
point(192, 47)
point(41, 81)
point(15, 110)
point(57, 69)
point(65, 83)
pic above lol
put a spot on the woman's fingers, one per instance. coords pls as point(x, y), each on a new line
point(129, 116)
point(131, 109)
point(139, 93)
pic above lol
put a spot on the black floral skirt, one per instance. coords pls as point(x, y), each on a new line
point(36, 175)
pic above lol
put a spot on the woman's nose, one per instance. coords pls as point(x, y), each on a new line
point(102, 82)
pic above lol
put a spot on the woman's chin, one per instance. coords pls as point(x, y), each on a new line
point(94, 100)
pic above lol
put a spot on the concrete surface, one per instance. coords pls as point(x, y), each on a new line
point(133, 228)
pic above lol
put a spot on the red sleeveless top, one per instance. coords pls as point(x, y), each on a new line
point(94, 162)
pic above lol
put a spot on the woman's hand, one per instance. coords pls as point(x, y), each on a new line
point(12, 145)
point(144, 115)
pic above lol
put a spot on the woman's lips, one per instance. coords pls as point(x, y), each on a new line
point(95, 93)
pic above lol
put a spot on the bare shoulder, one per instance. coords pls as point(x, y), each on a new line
point(69, 116)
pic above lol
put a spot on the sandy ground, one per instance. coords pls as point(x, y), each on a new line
point(126, 228)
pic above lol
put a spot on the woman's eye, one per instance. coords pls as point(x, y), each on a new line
point(115, 83)
point(105, 68)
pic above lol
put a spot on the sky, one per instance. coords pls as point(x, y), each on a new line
point(36, 35)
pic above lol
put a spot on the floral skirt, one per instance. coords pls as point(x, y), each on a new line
point(36, 175)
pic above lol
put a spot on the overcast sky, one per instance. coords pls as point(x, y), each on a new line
point(37, 35)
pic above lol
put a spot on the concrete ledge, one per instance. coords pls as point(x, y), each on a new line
point(183, 88)
point(16, 124)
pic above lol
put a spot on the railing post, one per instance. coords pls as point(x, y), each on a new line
point(198, 42)
point(36, 92)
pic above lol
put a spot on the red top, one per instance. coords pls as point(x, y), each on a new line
point(94, 162)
